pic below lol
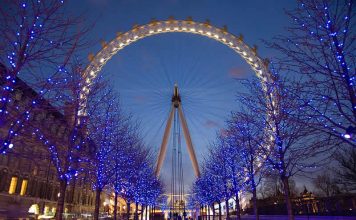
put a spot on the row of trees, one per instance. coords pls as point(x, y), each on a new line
point(293, 123)
point(122, 164)
point(40, 44)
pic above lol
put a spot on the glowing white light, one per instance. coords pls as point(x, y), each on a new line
point(250, 59)
point(176, 28)
point(244, 53)
point(184, 28)
point(151, 31)
point(102, 60)
point(192, 29)
point(135, 37)
point(208, 33)
point(223, 39)
point(128, 40)
point(216, 36)
point(200, 31)
point(92, 73)
point(231, 44)
point(121, 44)
point(347, 136)
point(11, 146)
point(159, 30)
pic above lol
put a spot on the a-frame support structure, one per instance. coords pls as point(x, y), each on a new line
point(177, 106)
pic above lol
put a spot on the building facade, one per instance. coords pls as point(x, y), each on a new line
point(28, 180)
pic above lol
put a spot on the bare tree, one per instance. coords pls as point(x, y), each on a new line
point(346, 174)
point(326, 184)
point(272, 187)
point(289, 147)
point(320, 49)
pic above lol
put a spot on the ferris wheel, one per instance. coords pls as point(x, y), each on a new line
point(206, 84)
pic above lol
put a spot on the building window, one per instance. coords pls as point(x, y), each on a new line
point(23, 187)
point(13, 185)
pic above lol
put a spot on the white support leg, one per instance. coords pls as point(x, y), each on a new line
point(163, 149)
point(188, 141)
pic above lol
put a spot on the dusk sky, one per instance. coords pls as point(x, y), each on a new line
point(205, 70)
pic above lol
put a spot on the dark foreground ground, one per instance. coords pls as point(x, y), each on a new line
point(282, 217)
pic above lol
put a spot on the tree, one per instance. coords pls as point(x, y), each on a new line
point(131, 179)
point(326, 184)
point(74, 147)
point(289, 147)
point(320, 49)
point(208, 189)
point(220, 157)
point(133, 174)
point(38, 42)
point(148, 187)
point(272, 187)
point(102, 130)
point(245, 135)
point(346, 174)
point(121, 158)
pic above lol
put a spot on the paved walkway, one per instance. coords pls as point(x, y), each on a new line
point(281, 217)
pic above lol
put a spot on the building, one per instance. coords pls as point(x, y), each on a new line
point(28, 179)
point(306, 203)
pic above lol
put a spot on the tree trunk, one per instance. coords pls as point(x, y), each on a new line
point(128, 210)
point(213, 207)
point(149, 212)
point(115, 206)
point(219, 211)
point(146, 211)
point(238, 214)
point(227, 209)
point(136, 211)
point(207, 211)
point(204, 213)
point(255, 208)
point(60, 202)
point(142, 209)
point(287, 197)
point(201, 212)
point(254, 199)
point(97, 204)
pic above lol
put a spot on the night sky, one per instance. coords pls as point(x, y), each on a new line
point(206, 72)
